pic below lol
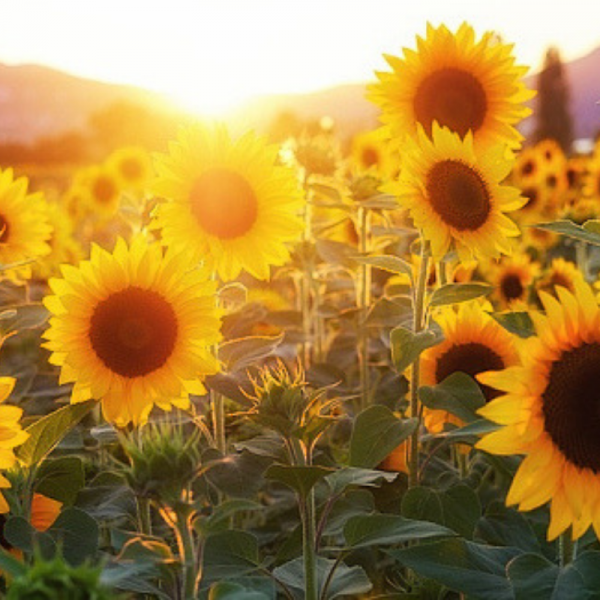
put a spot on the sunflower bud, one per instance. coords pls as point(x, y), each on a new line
point(57, 580)
point(164, 459)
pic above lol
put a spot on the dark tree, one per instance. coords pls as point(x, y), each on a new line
point(552, 112)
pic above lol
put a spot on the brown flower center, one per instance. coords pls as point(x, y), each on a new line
point(4, 230)
point(133, 331)
point(224, 203)
point(458, 194)
point(571, 405)
point(511, 287)
point(131, 169)
point(471, 358)
point(527, 168)
point(104, 189)
point(532, 195)
point(452, 97)
point(369, 157)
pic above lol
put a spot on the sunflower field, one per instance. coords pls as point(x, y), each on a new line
point(240, 370)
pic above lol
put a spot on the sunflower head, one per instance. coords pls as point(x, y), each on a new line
point(103, 190)
point(133, 328)
point(228, 202)
point(549, 413)
point(560, 272)
point(132, 166)
point(513, 278)
point(464, 84)
point(454, 195)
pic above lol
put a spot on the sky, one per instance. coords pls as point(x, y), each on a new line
point(213, 55)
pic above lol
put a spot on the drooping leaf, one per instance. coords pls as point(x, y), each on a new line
point(407, 345)
point(519, 323)
point(76, 533)
point(455, 293)
point(61, 479)
point(244, 352)
point(345, 477)
point(229, 554)
point(570, 229)
point(300, 478)
point(393, 264)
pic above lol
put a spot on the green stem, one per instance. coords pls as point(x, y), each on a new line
point(581, 255)
point(363, 301)
point(566, 548)
point(418, 312)
point(143, 513)
point(187, 552)
point(218, 412)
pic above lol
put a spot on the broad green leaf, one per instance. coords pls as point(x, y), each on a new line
point(580, 578)
point(20, 534)
point(133, 577)
point(300, 479)
point(244, 352)
point(377, 431)
point(229, 554)
point(469, 433)
point(570, 229)
point(23, 316)
point(533, 577)
point(61, 479)
point(454, 293)
point(336, 253)
point(47, 432)
point(407, 345)
point(383, 529)
point(219, 519)
point(519, 323)
point(476, 570)
point(11, 565)
point(393, 264)
point(458, 394)
point(345, 477)
point(76, 533)
point(225, 590)
point(390, 312)
point(346, 581)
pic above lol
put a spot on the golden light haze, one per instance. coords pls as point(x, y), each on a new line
point(213, 55)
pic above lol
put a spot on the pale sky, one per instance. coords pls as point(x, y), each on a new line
point(214, 54)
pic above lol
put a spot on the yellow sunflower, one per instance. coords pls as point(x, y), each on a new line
point(228, 202)
point(592, 179)
point(371, 151)
point(527, 166)
point(560, 272)
point(550, 153)
point(473, 343)
point(11, 435)
point(463, 84)
point(454, 195)
point(133, 329)
point(24, 226)
point(103, 190)
point(133, 167)
point(512, 278)
point(549, 410)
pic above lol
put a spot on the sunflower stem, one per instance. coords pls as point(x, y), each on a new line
point(218, 411)
point(418, 312)
point(363, 301)
point(187, 551)
point(581, 256)
point(566, 548)
point(308, 308)
point(143, 513)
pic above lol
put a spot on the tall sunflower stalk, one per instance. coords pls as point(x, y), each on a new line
point(363, 301)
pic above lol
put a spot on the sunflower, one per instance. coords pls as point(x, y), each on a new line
point(228, 202)
point(454, 195)
point(44, 511)
point(473, 343)
point(133, 329)
point(550, 153)
point(371, 151)
point(132, 166)
point(512, 278)
point(103, 190)
point(11, 434)
point(460, 83)
point(549, 410)
point(591, 186)
point(527, 166)
point(560, 272)
point(24, 226)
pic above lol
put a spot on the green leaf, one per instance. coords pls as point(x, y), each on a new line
point(47, 432)
point(473, 569)
point(345, 477)
point(533, 577)
point(301, 479)
point(11, 565)
point(469, 433)
point(346, 580)
point(570, 229)
point(230, 554)
point(22, 316)
point(377, 431)
point(393, 264)
point(457, 508)
point(76, 533)
point(458, 394)
point(225, 590)
point(407, 345)
point(580, 579)
point(336, 253)
point(244, 352)
point(455, 293)
point(61, 479)
point(132, 577)
point(383, 529)
point(519, 323)
point(219, 519)
point(20, 534)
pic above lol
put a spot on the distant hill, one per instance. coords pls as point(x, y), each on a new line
point(37, 101)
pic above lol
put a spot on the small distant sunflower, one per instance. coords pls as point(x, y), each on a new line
point(24, 226)
point(560, 272)
point(11, 435)
point(512, 278)
point(455, 196)
point(550, 153)
point(457, 82)
point(592, 180)
point(133, 329)
point(397, 460)
point(527, 166)
point(473, 343)
point(103, 190)
point(371, 151)
point(577, 169)
point(133, 167)
point(228, 202)
point(549, 410)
